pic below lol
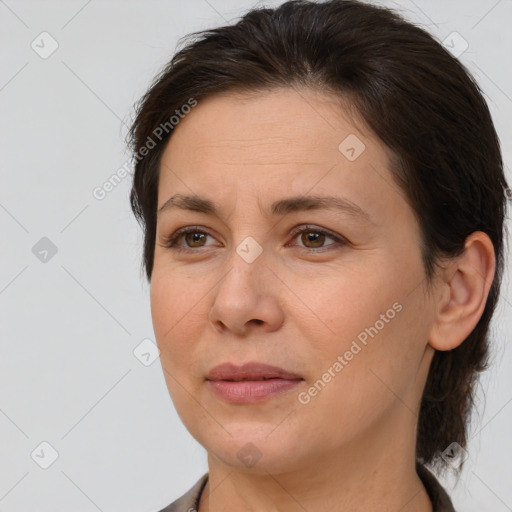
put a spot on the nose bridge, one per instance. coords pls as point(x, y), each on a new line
point(245, 293)
point(247, 266)
point(248, 229)
point(248, 260)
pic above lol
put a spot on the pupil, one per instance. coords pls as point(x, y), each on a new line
point(196, 237)
point(315, 238)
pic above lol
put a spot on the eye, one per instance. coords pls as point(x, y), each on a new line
point(193, 236)
point(311, 237)
point(314, 238)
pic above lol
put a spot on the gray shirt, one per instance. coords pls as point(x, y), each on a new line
point(440, 500)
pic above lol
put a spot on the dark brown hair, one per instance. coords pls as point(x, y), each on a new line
point(421, 102)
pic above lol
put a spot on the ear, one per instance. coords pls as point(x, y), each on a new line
point(463, 291)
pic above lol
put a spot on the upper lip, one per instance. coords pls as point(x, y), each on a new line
point(249, 371)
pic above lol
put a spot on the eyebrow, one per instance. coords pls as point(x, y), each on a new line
point(280, 207)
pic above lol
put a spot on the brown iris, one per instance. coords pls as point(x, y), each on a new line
point(312, 236)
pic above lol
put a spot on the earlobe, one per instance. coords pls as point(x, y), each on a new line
point(465, 283)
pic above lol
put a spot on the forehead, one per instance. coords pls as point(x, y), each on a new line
point(260, 122)
point(285, 139)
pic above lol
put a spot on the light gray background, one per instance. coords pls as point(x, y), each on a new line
point(69, 326)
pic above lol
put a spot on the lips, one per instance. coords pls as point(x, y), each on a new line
point(251, 383)
point(252, 371)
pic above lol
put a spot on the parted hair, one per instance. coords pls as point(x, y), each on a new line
point(420, 101)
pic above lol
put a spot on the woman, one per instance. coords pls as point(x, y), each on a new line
point(322, 196)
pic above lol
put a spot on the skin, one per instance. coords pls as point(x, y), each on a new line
point(353, 445)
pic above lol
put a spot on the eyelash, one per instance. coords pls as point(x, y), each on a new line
point(170, 242)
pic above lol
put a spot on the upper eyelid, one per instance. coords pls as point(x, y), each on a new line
point(311, 227)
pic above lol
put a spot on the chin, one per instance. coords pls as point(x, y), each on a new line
point(255, 452)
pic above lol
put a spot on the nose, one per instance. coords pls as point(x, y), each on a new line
point(247, 299)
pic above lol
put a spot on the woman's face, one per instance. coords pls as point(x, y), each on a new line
point(334, 294)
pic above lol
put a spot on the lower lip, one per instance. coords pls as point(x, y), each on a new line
point(250, 391)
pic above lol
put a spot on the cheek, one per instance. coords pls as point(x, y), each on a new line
point(176, 303)
point(370, 379)
point(372, 322)
point(340, 306)
point(385, 358)
point(174, 295)
point(176, 307)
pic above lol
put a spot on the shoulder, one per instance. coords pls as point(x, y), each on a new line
point(189, 501)
point(441, 502)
